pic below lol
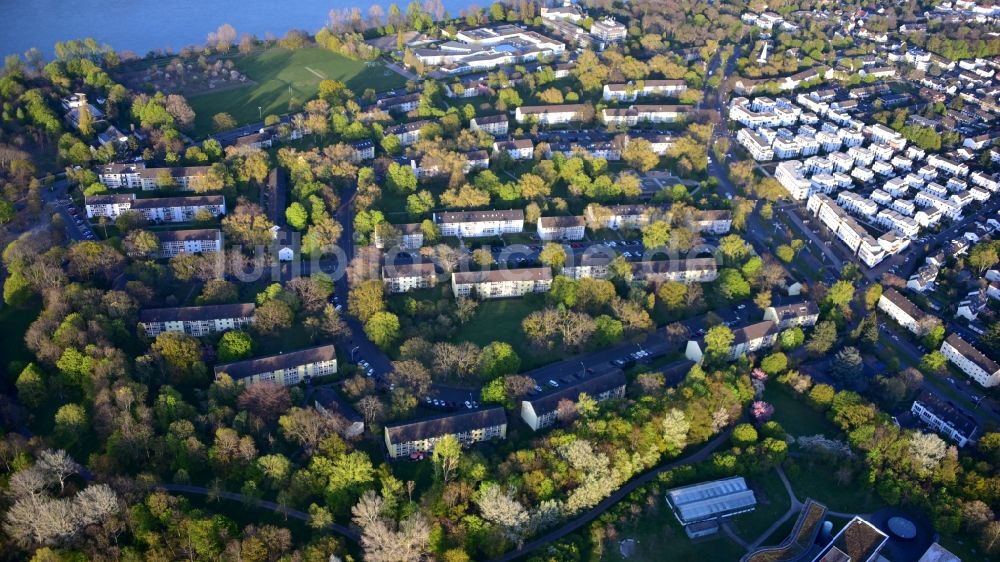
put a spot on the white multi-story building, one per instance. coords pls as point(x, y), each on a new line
point(790, 175)
point(608, 30)
point(950, 166)
point(687, 271)
point(880, 197)
point(285, 369)
point(549, 114)
point(948, 208)
point(501, 283)
point(983, 180)
point(520, 149)
point(755, 144)
point(842, 162)
point(971, 361)
point(407, 133)
point(854, 203)
point(418, 437)
point(542, 411)
point(167, 209)
point(903, 311)
point(904, 207)
point(786, 148)
point(411, 235)
point(804, 313)
point(634, 90)
point(863, 175)
point(199, 241)
point(475, 224)
point(881, 134)
point(196, 320)
point(900, 224)
point(403, 278)
point(944, 418)
point(636, 114)
point(138, 176)
point(496, 125)
point(561, 228)
point(714, 222)
point(617, 217)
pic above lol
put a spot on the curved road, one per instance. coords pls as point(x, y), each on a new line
point(269, 505)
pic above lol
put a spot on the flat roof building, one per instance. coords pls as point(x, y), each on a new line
point(711, 500)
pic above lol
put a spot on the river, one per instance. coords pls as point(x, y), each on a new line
point(144, 25)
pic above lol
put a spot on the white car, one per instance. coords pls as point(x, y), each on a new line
point(553, 383)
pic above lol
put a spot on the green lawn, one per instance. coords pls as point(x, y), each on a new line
point(660, 537)
point(13, 323)
point(278, 75)
point(815, 479)
point(772, 503)
point(500, 320)
point(795, 415)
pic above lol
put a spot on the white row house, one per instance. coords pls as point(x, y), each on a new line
point(854, 203)
point(407, 133)
point(948, 208)
point(869, 250)
point(402, 278)
point(985, 181)
point(881, 134)
point(902, 225)
point(896, 187)
point(138, 176)
point(197, 241)
point(496, 125)
point(285, 369)
point(636, 114)
point(904, 207)
point(950, 166)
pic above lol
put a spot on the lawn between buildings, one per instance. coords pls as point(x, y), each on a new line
point(278, 75)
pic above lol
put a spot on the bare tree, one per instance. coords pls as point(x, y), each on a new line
point(498, 506)
point(368, 509)
point(58, 465)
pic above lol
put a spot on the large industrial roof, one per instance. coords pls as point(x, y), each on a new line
point(710, 499)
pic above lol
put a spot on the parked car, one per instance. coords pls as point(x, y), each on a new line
point(553, 384)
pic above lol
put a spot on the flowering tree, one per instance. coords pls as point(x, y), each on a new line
point(761, 411)
point(757, 379)
point(758, 375)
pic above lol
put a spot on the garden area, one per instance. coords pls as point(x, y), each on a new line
point(795, 415)
point(278, 75)
point(500, 320)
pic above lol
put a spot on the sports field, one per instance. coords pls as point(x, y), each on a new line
point(279, 74)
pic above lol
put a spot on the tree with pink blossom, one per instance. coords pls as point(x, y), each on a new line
point(761, 411)
point(758, 375)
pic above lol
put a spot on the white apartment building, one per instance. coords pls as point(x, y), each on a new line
point(944, 418)
point(502, 283)
point(520, 149)
point(881, 134)
point(196, 320)
point(790, 175)
point(617, 217)
point(403, 278)
point(904, 207)
point(166, 209)
point(712, 221)
point(419, 436)
point(643, 88)
point(476, 224)
point(880, 197)
point(589, 265)
point(804, 313)
point(138, 176)
point(971, 361)
point(687, 271)
point(407, 133)
point(854, 203)
point(900, 224)
point(903, 311)
point(948, 208)
point(198, 241)
point(285, 369)
point(983, 180)
point(636, 114)
point(411, 235)
point(755, 144)
point(548, 114)
point(950, 166)
point(561, 228)
point(496, 125)
point(542, 411)
point(786, 148)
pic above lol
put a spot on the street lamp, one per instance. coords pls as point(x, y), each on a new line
point(260, 112)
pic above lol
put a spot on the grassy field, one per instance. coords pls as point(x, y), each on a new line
point(772, 503)
point(660, 537)
point(795, 415)
point(816, 480)
point(500, 320)
point(280, 74)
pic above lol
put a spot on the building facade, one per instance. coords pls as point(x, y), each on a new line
point(196, 320)
point(420, 436)
point(285, 369)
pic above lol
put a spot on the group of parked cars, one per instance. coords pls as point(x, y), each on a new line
point(81, 224)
